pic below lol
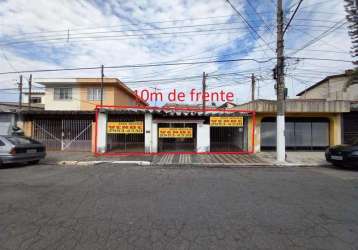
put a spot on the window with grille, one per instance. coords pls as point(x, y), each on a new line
point(63, 94)
point(94, 94)
point(36, 99)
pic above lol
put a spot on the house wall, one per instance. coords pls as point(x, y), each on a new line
point(112, 95)
point(52, 104)
point(108, 97)
point(25, 97)
point(27, 128)
point(123, 98)
point(333, 89)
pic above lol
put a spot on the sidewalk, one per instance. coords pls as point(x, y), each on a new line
point(267, 159)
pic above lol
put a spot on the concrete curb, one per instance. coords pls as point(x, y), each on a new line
point(92, 163)
point(242, 165)
point(206, 165)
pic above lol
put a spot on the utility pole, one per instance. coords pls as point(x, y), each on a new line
point(204, 90)
point(280, 86)
point(30, 91)
point(252, 87)
point(20, 93)
point(102, 75)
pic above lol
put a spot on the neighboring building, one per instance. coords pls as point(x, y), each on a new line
point(228, 105)
point(310, 124)
point(36, 97)
point(85, 93)
point(334, 87)
point(8, 115)
point(339, 87)
point(68, 119)
point(325, 114)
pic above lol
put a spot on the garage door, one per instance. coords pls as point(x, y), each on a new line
point(350, 127)
point(301, 133)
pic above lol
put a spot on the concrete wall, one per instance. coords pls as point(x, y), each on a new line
point(102, 132)
point(203, 138)
point(27, 128)
point(148, 121)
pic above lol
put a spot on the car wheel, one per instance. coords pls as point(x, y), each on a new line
point(34, 162)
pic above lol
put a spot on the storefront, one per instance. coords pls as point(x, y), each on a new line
point(175, 136)
point(228, 133)
point(310, 124)
point(300, 133)
point(160, 131)
point(125, 133)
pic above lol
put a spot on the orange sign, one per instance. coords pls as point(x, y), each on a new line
point(229, 121)
point(175, 133)
point(125, 127)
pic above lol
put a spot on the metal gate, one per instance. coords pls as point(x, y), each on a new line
point(350, 128)
point(64, 135)
point(178, 144)
point(125, 142)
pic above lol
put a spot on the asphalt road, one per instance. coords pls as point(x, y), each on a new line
point(113, 207)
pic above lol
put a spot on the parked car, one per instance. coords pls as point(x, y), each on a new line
point(20, 149)
point(343, 155)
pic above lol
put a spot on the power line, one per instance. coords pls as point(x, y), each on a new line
point(131, 30)
point(293, 15)
point(121, 36)
point(139, 65)
point(321, 35)
point(268, 28)
point(320, 59)
point(77, 37)
point(248, 24)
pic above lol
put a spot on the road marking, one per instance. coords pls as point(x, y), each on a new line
point(184, 159)
point(166, 159)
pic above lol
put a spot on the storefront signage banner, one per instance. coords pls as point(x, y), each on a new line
point(232, 121)
point(125, 127)
point(175, 133)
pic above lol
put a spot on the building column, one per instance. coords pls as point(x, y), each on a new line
point(335, 130)
point(148, 120)
point(154, 148)
point(202, 138)
point(102, 132)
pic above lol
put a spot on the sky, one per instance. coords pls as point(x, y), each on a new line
point(68, 33)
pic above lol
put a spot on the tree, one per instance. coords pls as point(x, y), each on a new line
point(351, 8)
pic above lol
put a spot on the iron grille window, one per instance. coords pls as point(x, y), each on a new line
point(35, 99)
point(94, 94)
point(63, 94)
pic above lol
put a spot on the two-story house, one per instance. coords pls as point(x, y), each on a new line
point(341, 87)
point(67, 121)
point(85, 93)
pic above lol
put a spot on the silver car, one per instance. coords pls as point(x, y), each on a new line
point(20, 149)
